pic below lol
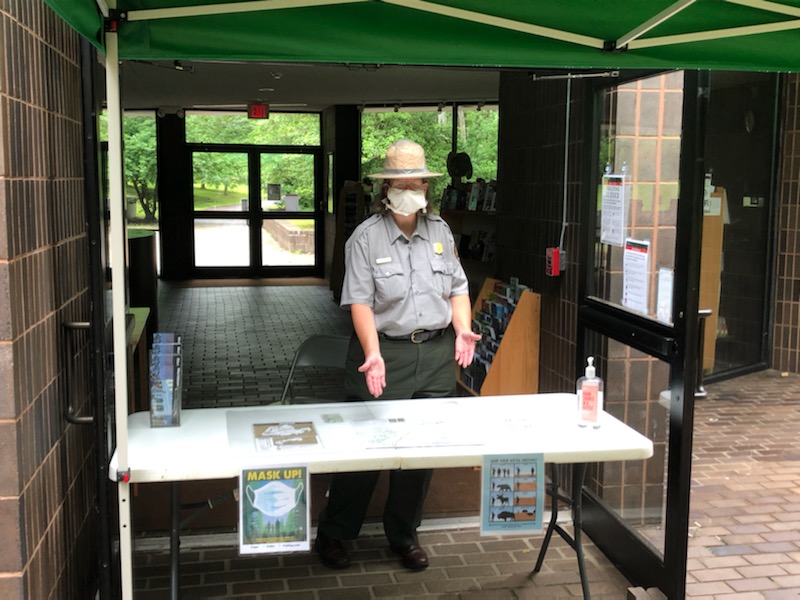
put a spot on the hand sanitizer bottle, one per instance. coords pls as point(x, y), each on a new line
point(590, 396)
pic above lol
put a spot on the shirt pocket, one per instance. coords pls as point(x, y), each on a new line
point(390, 282)
point(442, 275)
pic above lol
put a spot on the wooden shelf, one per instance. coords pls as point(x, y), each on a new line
point(515, 368)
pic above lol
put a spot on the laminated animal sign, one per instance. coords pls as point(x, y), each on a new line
point(512, 494)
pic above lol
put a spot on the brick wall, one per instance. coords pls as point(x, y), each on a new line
point(786, 323)
point(46, 467)
point(530, 208)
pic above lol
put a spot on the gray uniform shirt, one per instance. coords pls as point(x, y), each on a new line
point(408, 283)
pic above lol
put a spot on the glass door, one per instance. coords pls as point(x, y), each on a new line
point(256, 211)
point(638, 319)
point(290, 209)
point(220, 201)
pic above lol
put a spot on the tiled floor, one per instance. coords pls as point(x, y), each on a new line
point(239, 341)
point(745, 537)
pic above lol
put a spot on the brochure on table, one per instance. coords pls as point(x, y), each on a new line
point(349, 426)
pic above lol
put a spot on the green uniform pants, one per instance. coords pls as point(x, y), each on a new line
point(424, 370)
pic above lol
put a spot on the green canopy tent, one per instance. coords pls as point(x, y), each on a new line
point(657, 34)
point(754, 35)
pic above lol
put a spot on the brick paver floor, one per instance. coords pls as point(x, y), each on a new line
point(745, 511)
point(464, 565)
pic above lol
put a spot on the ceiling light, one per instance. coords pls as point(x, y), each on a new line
point(266, 89)
point(178, 66)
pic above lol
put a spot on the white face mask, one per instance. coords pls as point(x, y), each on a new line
point(405, 202)
point(275, 499)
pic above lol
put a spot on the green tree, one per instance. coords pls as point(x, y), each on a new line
point(139, 144)
point(431, 129)
point(223, 170)
point(477, 136)
point(218, 169)
point(293, 172)
point(139, 138)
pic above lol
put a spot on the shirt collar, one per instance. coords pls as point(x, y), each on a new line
point(394, 232)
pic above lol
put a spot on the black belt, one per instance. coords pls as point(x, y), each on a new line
point(415, 337)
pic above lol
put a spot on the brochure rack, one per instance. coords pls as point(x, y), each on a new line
point(469, 209)
point(474, 234)
point(514, 366)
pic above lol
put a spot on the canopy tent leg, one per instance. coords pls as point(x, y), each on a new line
point(117, 250)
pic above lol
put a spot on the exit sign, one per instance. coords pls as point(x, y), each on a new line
point(258, 111)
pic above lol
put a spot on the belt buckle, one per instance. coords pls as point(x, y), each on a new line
point(414, 333)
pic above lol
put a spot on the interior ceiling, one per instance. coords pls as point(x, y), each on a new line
point(298, 87)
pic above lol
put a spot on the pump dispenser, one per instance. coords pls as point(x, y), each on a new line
point(590, 396)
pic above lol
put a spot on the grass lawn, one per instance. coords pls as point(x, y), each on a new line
point(210, 199)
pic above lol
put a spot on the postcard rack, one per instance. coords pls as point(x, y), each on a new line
point(507, 358)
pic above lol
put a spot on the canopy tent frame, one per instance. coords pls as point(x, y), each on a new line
point(629, 41)
point(235, 7)
point(657, 20)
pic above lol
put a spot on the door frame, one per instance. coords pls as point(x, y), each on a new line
point(255, 215)
point(675, 344)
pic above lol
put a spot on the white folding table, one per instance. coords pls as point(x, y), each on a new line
point(217, 443)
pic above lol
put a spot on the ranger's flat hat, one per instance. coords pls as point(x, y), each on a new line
point(404, 160)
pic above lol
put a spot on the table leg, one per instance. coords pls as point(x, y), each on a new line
point(575, 542)
point(578, 476)
point(553, 518)
point(175, 542)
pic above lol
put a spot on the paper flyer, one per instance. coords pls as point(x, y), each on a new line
point(613, 210)
point(279, 436)
point(512, 494)
point(664, 298)
point(274, 510)
point(636, 275)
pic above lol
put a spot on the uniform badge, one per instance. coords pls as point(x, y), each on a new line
point(437, 247)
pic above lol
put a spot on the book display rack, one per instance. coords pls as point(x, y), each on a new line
point(470, 211)
point(507, 357)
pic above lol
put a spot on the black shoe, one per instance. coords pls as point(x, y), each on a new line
point(413, 557)
point(331, 552)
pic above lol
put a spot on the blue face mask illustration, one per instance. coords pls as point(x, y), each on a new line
point(275, 499)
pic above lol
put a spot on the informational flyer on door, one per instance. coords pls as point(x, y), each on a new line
point(664, 298)
point(613, 210)
point(636, 275)
point(512, 494)
point(274, 510)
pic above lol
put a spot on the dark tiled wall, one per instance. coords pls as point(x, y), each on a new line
point(786, 325)
point(530, 208)
point(46, 466)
